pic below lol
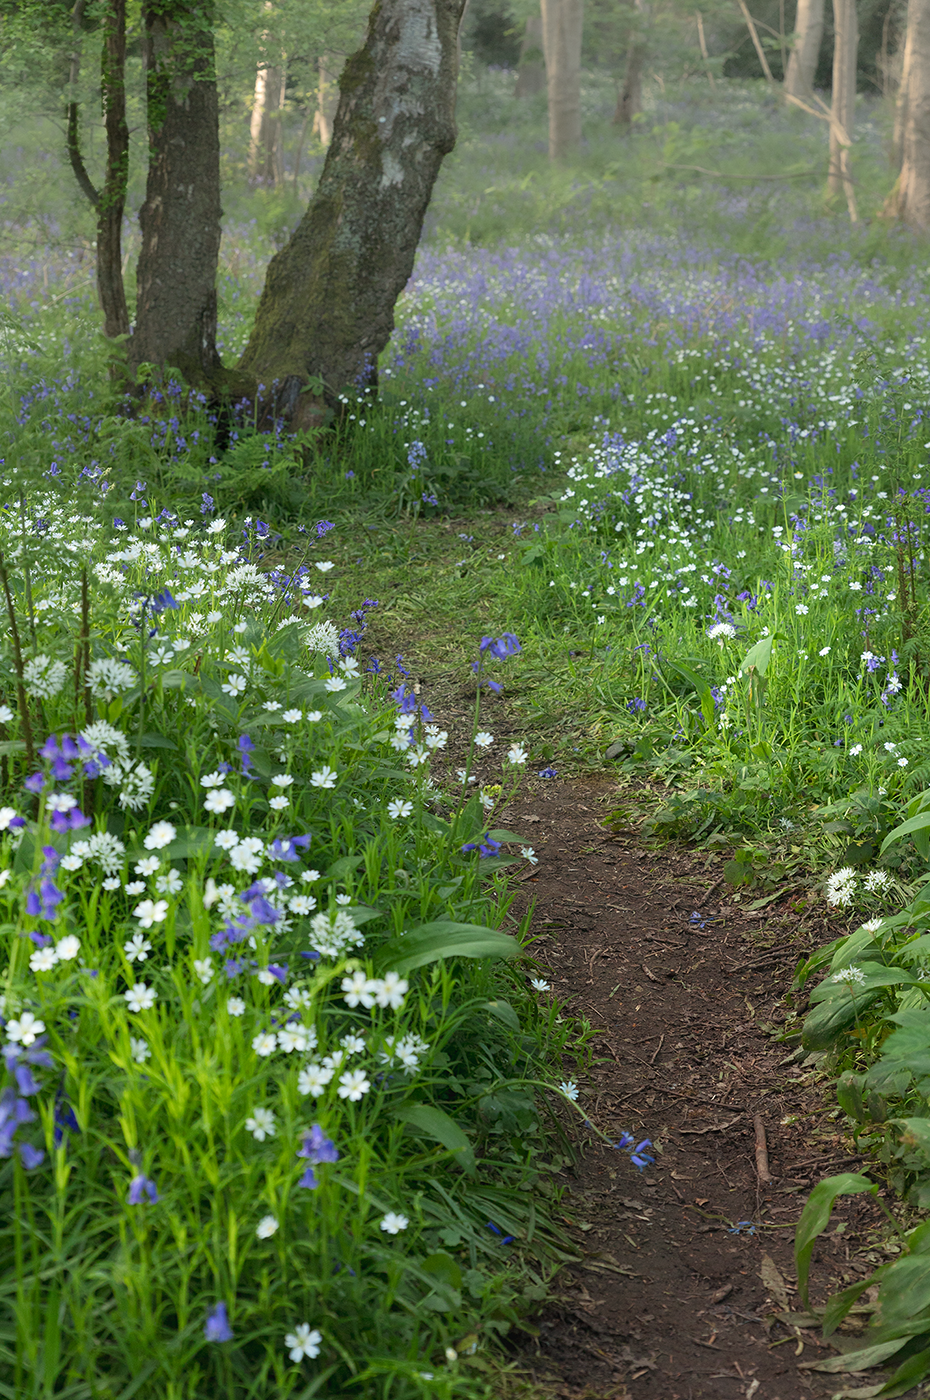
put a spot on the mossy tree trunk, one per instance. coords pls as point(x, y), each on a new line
point(630, 97)
point(327, 308)
point(180, 219)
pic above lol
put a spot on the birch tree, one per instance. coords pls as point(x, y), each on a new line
point(327, 307)
point(910, 198)
point(805, 53)
point(562, 22)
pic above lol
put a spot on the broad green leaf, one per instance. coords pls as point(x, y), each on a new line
point(191, 841)
point(443, 1268)
point(919, 823)
point(816, 1216)
point(840, 1304)
point(905, 1290)
point(908, 1374)
point(861, 1360)
point(876, 975)
point(153, 741)
point(429, 1121)
point(758, 657)
point(697, 682)
point(344, 866)
point(504, 1012)
point(11, 746)
point(499, 835)
point(831, 1018)
point(444, 939)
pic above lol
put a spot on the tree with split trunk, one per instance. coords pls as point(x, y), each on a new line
point(910, 198)
point(327, 308)
point(562, 22)
point(180, 219)
point(630, 97)
point(531, 66)
point(110, 200)
point(805, 52)
point(843, 107)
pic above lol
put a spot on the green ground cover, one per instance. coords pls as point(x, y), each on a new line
point(667, 429)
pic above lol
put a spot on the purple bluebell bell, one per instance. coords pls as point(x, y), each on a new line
point(245, 747)
point(31, 1157)
point(485, 846)
point(317, 1147)
point(496, 1230)
point(309, 1180)
point(142, 1189)
point(548, 772)
point(217, 1328)
point(35, 782)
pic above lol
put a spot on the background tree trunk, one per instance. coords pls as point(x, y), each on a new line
point(180, 219)
point(843, 110)
point(112, 199)
point(266, 145)
point(531, 67)
point(910, 198)
point(327, 308)
point(808, 32)
point(562, 22)
point(328, 99)
point(630, 98)
point(900, 117)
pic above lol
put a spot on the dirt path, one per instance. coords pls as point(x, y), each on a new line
point(675, 1296)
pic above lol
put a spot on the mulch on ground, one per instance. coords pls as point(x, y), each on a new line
point(683, 1268)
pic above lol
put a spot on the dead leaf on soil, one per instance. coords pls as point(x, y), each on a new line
point(774, 1283)
point(713, 1128)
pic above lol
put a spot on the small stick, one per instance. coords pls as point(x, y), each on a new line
point(655, 1053)
point(762, 1151)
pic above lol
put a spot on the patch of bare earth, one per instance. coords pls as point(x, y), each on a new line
point(686, 1266)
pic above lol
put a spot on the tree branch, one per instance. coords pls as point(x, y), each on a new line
point(72, 138)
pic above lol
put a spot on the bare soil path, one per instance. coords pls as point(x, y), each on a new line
point(685, 1266)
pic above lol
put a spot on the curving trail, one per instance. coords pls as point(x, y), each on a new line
point(674, 1298)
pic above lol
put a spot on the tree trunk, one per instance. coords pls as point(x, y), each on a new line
point(562, 24)
point(328, 99)
point(327, 308)
point(531, 68)
point(180, 219)
point(630, 98)
point(910, 198)
point(112, 199)
point(843, 109)
point(805, 52)
point(266, 145)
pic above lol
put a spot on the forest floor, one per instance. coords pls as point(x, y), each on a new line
point(687, 1270)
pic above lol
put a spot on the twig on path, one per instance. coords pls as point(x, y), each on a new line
point(762, 1151)
point(655, 1053)
point(709, 891)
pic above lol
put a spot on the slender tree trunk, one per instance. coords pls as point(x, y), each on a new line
point(805, 53)
point(531, 68)
point(900, 115)
point(266, 146)
point(910, 198)
point(180, 219)
point(704, 54)
point(327, 308)
point(112, 200)
point(328, 97)
point(843, 109)
point(109, 202)
point(562, 22)
point(630, 98)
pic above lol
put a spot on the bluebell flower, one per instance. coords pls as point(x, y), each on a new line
point(485, 846)
point(26, 1081)
point(311, 954)
point(309, 1179)
point(317, 1147)
point(163, 600)
point(640, 1157)
point(30, 1156)
point(245, 748)
point(548, 772)
point(141, 1189)
point(217, 1328)
point(64, 1117)
point(495, 1230)
point(35, 782)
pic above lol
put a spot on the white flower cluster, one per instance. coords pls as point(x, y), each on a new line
point(843, 884)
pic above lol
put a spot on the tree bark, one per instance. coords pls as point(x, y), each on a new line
point(328, 97)
point(562, 22)
point(327, 308)
point(180, 219)
point(843, 109)
point(805, 52)
point(910, 198)
point(531, 66)
point(630, 97)
point(266, 145)
point(112, 199)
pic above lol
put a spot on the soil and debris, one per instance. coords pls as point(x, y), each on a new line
point(687, 1269)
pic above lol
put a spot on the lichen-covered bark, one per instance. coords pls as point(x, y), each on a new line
point(327, 308)
point(180, 219)
point(910, 198)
